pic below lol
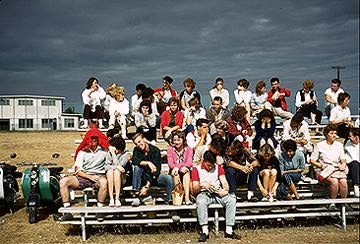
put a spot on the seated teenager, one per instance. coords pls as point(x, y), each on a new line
point(239, 126)
point(269, 172)
point(172, 119)
point(264, 128)
point(200, 136)
point(243, 96)
point(216, 112)
point(179, 157)
point(188, 93)
point(238, 172)
point(291, 164)
point(118, 109)
point(217, 146)
point(192, 114)
point(145, 121)
point(352, 158)
point(258, 98)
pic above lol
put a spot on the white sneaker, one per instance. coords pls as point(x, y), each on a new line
point(271, 198)
point(117, 203)
point(111, 203)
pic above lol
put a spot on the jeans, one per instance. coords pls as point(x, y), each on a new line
point(328, 109)
point(161, 180)
point(286, 181)
point(203, 200)
point(236, 177)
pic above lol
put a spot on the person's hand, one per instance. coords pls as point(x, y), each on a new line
point(152, 167)
point(144, 191)
point(221, 192)
point(246, 169)
point(205, 131)
point(184, 170)
point(128, 156)
point(244, 132)
point(175, 171)
point(121, 169)
point(342, 167)
point(206, 186)
point(167, 134)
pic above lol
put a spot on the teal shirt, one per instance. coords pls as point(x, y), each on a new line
point(296, 162)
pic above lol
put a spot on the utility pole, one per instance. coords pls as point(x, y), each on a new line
point(338, 68)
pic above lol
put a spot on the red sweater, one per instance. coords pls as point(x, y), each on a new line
point(86, 142)
point(245, 125)
point(166, 117)
point(283, 103)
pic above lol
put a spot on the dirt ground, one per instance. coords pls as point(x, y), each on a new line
point(39, 146)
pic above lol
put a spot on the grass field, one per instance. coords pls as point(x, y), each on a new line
point(39, 146)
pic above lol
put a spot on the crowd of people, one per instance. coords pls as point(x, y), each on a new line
point(212, 151)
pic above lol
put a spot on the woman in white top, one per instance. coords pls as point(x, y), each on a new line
point(118, 109)
point(258, 98)
point(219, 91)
point(243, 96)
point(92, 97)
point(192, 114)
point(340, 115)
point(330, 153)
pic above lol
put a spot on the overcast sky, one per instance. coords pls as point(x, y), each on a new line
point(52, 47)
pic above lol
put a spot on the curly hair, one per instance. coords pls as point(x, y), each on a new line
point(179, 134)
point(238, 113)
point(189, 82)
point(330, 127)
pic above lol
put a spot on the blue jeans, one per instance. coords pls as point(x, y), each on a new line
point(203, 200)
point(162, 180)
point(236, 177)
point(286, 181)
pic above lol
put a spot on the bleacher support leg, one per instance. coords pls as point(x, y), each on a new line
point(343, 216)
point(216, 221)
point(83, 227)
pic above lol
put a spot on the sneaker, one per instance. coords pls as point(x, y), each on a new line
point(111, 203)
point(253, 199)
point(271, 197)
point(136, 203)
point(100, 217)
point(203, 237)
point(264, 199)
point(332, 207)
point(233, 236)
point(66, 217)
point(117, 203)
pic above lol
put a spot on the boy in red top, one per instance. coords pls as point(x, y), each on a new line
point(172, 119)
point(276, 98)
point(210, 183)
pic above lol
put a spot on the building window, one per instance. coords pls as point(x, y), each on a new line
point(25, 123)
point(25, 102)
point(69, 123)
point(5, 102)
point(46, 123)
point(48, 102)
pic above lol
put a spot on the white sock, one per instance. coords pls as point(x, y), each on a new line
point(205, 229)
point(229, 229)
point(356, 190)
point(66, 204)
point(86, 123)
point(99, 204)
point(250, 194)
point(100, 123)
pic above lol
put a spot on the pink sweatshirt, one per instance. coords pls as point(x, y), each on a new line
point(172, 158)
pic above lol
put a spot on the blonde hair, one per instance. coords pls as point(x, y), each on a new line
point(265, 150)
point(309, 84)
point(111, 89)
point(118, 92)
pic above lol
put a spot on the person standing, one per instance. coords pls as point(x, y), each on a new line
point(209, 182)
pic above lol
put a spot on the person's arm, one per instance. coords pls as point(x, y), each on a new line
point(195, 180)
point(226, 98)
point(315, 157)
point(101, 92)
point(171, 157)
point(188, 158)
point(285, 92)
point(237, 166)
point(85, 96)
point(298, 102)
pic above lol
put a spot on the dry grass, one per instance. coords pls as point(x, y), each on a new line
point(39, 146)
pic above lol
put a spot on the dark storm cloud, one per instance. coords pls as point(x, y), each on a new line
point(52, 47)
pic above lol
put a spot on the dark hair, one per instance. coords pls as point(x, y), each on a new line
point(112, 132)
point(194, 102)
point(218, 143)
point(168, 79)
point(90, 82)
point(243, 82)
point(355, 131)
point(297, 118)
point(275, 79)
point(336, 81)
point(259, 86)
point(147, 93)
point(179, 134)
point(217, 80)
point(190, 82)
point(146, 103)
point(137, 135)
point(342, 96)
point(118, 142)
point(218, 98)
point(328, 128)
point(209, 157)
point(140, 87)
point(174, 100)
point(238, 113)
point(266, 113)
point(289, 145)
point(201, 121)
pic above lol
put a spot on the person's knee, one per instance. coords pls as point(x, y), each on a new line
point(102, 183)
point(266, 172)
point(64, 182)
point(273, 172)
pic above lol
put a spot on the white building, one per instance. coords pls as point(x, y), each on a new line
point(32, 112)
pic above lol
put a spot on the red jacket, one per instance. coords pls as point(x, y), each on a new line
point(166, 117)
point(283, 103)
point(245, 125)
point(160, 90)
point(86, 142)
